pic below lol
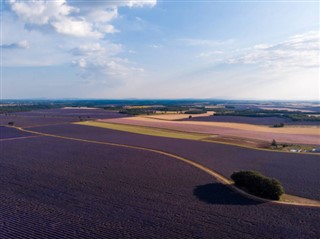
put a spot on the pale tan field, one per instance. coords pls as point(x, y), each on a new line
point(302, 135)
point(312, 130)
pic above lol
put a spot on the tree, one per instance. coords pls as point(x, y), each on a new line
point(258, 184)
point(274, 143)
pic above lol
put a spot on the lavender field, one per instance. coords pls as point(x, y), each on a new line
point(55, 187)
point(159, 119)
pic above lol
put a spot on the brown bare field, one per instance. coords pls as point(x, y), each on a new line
point(302, 135)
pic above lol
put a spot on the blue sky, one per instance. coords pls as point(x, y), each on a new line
point(160, 49)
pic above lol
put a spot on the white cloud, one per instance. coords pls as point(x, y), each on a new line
point(90, 5)
point(107, 28)
point(65, 19)
point(155, 46)
point(110, 71)
point(97, 50)
point(16, 45)
point(56, 14)
point(76, 27)
point(99, 63)
point(204, 42)
point(69, 31)
point(101, 19)
point(140, 3)
point(297, 52)
point(74, 18)
point(88, 49)
point(80, 63)
point(100, 15)
point(40, 12)
point(210, 53)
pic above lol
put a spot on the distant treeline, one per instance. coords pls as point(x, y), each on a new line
point(289, 115)
point(136, 111)
point(20, 108)
point(138, 107)
point(159, 110)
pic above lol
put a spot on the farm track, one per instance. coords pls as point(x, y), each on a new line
point(223, 158)
point(33, 218)
point(207, 170)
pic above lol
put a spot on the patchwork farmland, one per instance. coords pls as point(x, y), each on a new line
point(65, 180)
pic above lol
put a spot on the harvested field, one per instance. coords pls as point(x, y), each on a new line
point(55, 188)
point(298, 173)
point(284, 135)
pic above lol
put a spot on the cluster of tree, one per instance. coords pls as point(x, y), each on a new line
point(274, 143)
point(278, 125)
point(137, 111)
point(303, 117)
point(258, 184)
point(287, 115)
point(195, 111)
point(250, 113)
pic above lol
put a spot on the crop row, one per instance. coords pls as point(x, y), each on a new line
point(54, 187)
point(298, 173)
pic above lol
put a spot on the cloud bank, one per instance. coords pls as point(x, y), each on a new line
point(300, 51)
point(76, 31)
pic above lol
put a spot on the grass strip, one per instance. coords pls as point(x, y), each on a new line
point(146, 130)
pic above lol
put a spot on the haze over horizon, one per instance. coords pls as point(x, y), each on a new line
point(160, 49)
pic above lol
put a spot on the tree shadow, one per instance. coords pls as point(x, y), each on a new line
point(217, 193)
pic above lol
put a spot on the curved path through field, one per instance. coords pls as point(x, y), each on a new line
point(298, 172)
point(53, 187)
point(288, 200)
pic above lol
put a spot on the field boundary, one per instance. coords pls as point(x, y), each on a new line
point(223, 180)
